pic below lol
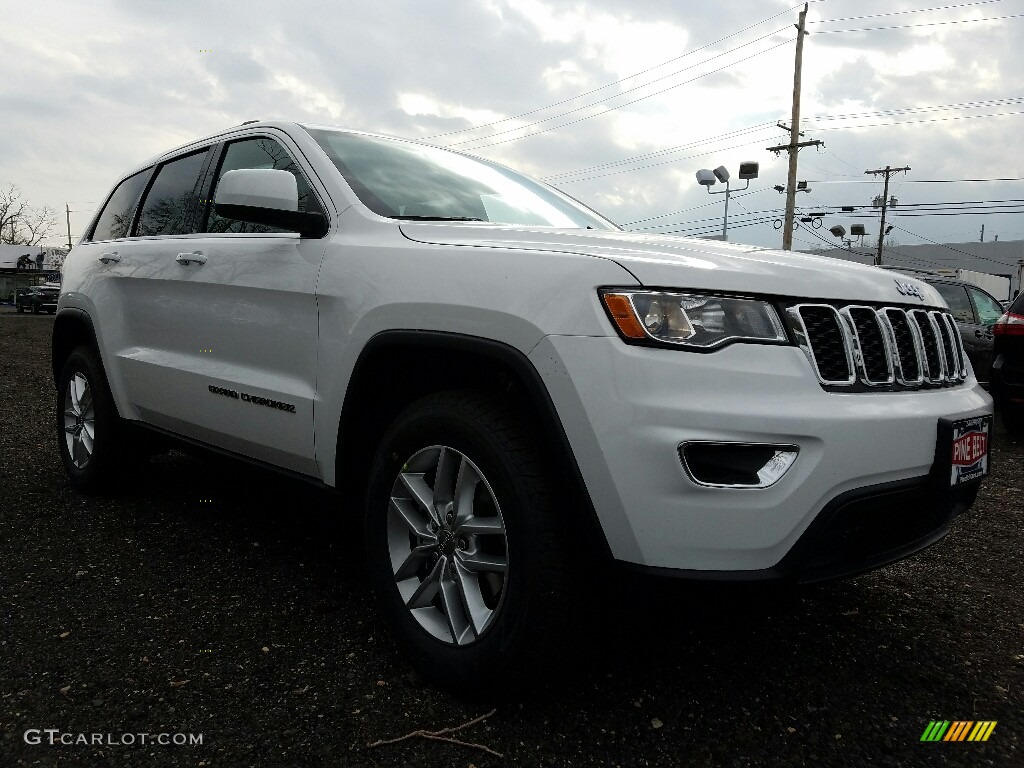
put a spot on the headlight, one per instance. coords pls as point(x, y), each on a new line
point(696, 320)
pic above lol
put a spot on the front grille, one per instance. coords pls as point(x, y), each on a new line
point(858, 347)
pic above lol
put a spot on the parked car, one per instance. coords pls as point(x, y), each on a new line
point(1008, 366)
point(975, 311)
point(517, 394)
point(38, 298)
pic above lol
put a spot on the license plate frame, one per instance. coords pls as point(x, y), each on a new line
point(964, 450)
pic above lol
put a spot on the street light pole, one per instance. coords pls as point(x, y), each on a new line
point(706, 178)
point(725, 221)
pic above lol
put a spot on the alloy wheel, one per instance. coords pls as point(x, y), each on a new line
point(79, 420)
point(446, 540)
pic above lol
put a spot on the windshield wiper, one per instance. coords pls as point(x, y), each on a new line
point(437, 218)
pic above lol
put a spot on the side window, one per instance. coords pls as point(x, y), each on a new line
point(116, 218)
point(959, 303)
point(989, 310)
point(170, 202)
point(258, 153)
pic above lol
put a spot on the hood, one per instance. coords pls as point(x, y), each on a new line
point(665, 261)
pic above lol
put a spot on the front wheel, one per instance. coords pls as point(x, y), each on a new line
point(89, 434)
point(461, 540)
point(21, 309)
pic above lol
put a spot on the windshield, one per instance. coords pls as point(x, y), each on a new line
point(404, 180)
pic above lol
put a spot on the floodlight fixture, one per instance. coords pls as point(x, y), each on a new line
point(748, 170)
point(706, 178)
point(838, 230)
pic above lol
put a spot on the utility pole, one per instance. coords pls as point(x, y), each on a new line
point(983, 233)
point(795, 144)
point(67, 210)
point(887, 171)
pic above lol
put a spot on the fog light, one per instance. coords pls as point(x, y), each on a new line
point(736, 465)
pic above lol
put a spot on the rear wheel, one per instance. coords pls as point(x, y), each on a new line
point(21, 309)
point(90, 437)
point(35, 309)
point(461, 540)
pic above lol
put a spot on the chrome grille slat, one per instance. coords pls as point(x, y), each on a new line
point(873, 353)
point(951, 344)
point(880, 347)
point(934, 369)
point(828, 343)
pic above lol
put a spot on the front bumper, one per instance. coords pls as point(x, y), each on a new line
point(627, 409)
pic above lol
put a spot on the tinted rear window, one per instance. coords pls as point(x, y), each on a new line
point(116, 218)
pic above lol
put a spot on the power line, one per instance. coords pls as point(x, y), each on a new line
point(622, 80)
point(621, 93)
point(923, 24)
point(762, 126)
point(917, 122)
point(1009, 100)
point(658, 153)
point(918, 181)
point(687, 210)
point(663, 162)
point(618, 106)
point(903, 13)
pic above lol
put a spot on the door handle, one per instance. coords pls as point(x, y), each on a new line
point(190, 258)
point(109, 257)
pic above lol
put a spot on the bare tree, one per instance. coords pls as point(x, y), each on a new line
point(20, 223)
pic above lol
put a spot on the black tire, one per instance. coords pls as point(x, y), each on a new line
point(35, 309)
point(101, 470)
point(535, 603)
point(21, 309)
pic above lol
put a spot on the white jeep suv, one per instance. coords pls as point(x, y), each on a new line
point(510, 388)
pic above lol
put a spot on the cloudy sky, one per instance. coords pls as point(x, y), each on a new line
point(617, 103)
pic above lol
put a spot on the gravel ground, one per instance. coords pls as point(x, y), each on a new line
point(211, 599)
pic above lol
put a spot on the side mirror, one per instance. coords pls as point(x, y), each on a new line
point(268, 197)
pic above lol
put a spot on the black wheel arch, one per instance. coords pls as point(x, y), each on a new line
point(379, 389)
point(72, 327)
